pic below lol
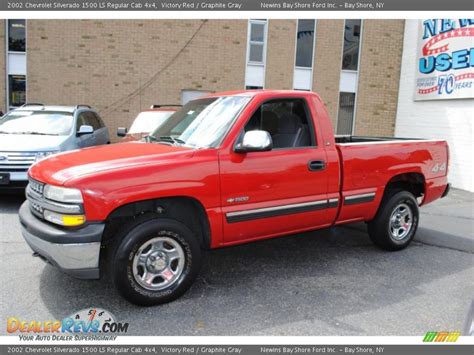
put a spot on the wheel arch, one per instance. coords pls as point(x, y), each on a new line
point(185, 209)
point(413, 182)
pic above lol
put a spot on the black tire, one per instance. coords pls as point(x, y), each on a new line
point(122, 262)
point(380, 227)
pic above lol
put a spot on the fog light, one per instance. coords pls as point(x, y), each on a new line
point(66, 220)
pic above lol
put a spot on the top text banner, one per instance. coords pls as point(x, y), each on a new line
point(236, 5)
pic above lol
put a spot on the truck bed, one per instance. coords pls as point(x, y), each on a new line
point(369, 163)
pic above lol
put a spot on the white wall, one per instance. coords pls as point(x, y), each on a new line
point(451, 120)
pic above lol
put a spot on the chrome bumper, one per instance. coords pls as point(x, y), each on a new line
point(75, 252)
point(67, 257)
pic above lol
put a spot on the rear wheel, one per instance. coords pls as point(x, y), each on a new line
point(156, 262)
point(396, 221)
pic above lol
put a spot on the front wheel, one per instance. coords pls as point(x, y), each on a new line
point(156, 262)
point(396, 221)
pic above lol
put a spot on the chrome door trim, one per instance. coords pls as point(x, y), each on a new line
point(359, 198)
point(257, 213)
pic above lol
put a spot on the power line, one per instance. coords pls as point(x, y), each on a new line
point(122, 101)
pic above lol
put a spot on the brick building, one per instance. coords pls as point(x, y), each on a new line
point(123, 66)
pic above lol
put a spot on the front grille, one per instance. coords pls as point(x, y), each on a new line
point(37, 209)
point(16, 161)
point(11, 169)
point(36, 186)
point(34, 194)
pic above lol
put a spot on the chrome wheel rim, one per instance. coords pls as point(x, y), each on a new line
point(158, 263)
point(401, 222)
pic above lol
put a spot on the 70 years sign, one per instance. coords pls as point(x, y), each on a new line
point(445, 66)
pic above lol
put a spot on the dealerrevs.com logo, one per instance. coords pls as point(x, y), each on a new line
point(90, 323)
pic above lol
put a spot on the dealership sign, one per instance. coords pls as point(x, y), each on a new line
point(445, 59)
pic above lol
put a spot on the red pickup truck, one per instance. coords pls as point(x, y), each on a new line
point(226, 169)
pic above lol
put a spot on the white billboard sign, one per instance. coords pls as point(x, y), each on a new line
point(445, 59)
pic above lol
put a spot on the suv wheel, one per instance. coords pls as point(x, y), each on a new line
point(156, 262)
point(396, 221)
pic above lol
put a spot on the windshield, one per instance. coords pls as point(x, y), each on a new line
point(148, 121)
point(202, 122)
point(37, 122)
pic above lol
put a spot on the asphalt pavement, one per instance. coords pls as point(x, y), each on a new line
point(329, 282)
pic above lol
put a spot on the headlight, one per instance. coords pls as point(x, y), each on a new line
point(42, 155)
point(66, 220)
point(62, 194)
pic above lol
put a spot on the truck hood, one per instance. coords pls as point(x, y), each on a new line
point(30, 143)
point(59, 168)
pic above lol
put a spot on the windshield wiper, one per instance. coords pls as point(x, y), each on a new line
point(164, 139)
point(171, 139)
point(150, 138)
point(5, 132)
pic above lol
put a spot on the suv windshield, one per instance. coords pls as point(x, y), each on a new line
point(202, 122)
point(37, 122)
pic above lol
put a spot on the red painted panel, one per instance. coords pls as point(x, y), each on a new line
point(113, 175)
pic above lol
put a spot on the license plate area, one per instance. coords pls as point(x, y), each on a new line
point(4, 178)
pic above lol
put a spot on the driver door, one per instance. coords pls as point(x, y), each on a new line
point(274, 192)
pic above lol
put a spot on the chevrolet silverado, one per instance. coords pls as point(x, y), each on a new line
point(225, 169)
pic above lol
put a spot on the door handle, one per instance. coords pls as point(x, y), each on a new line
point(315, 165)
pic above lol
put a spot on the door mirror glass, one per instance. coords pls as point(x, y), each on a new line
point(255, 141)
point(85, 129)
point(122, 131)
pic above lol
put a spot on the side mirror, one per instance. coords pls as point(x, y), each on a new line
point(255, 141)
point(122, 131)
point(85, 129)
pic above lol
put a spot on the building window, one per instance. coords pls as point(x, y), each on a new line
point(256, 53)
point(16, 35)
point(350, 56)
point(250, 87)
point(15, 60)
point(349, 76)
point(303, 71)
point(345, 118)
point(257, 41)
point(305, 43)
point(17, 90)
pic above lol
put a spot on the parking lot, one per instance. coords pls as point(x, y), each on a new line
point(330, 282)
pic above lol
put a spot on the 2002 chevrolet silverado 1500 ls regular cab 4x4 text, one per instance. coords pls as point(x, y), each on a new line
point(226, 169)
